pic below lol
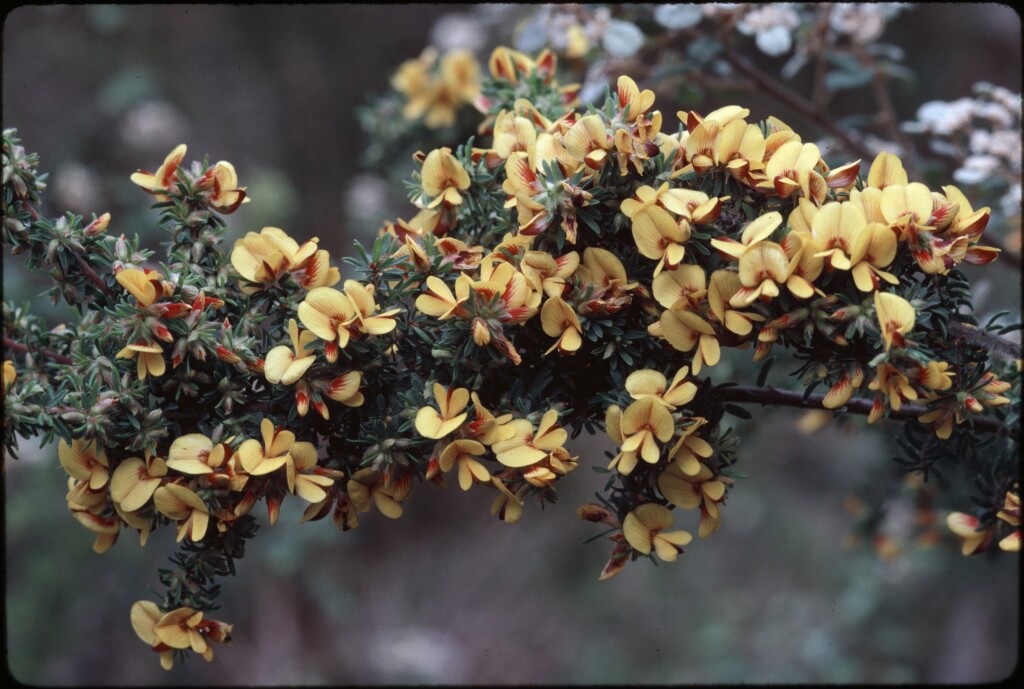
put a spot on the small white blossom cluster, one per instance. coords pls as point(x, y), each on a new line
point(983, 132)
point(862, 22)
point(772, 27)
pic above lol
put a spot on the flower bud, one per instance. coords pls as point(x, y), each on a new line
point(97, 226)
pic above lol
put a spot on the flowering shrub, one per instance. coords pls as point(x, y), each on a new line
point(586, 271)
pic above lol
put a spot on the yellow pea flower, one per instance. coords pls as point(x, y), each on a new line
point(549, 274)
point(686, 331)
point(589, 141)
point(164, 177)
point(105, 528)
point(329, 314)
point(307, 480)
point(650, 383)
point(438, 301)
point(273, 454)
point(691, 448)
point(179, 629)
point(149, 358)
point(896, 318)
point(624, 461)
point(145, 286)
point(681, 289)
point(486, 427)
point(936, 376)
point(753, 233)
point(369, 321)
point(1011, 515)
point(526, 446)
point(701, 490)
point(368, 486)
point(837, 228)
point(85, 462)
point(225, 195)
point(264, 257)
point(794, 168)
point(179, 503)
point(9, 375)
point(431, 423)
point(286, 365)
point(966, 527)
point(559, 320)
point(886, 170)
point(464, 453)
point(345, 389)
point(513, 132)
point(506, 506)
point(644, 424)
point(722, 287)
point(895, 387)
point(443, 178)
point(135, 481)
point(196, 455)
point(645, 529)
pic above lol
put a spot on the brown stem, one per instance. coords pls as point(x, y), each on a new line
point(790, 398)
point(986, 339)
point(91, 274)
point(52, 356)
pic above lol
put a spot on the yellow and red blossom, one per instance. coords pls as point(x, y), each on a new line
point(645, 530)
point(452, 402)
point(896, 318)
point(526, 446)
point(285, 365)
point(895, 387)
point(135, 481)
point(85, 461)
point(370, 487)
point(691, 448)
point(651, 383)
point(464, 455)
point(559, 320)
point(195, 454)
point(701, 490)
point(181, 504)
point(687, 331)
point(222, 191)
point(1011, 515)
point(966, 526)
point(179, 629)
point(506, 506)
point(443, 178)
point(637, 432)
point(164, 177)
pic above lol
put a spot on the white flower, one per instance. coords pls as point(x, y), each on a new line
point(863, 23)
point(976, 169)
point(773, 26)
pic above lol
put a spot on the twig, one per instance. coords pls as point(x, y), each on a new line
point(986, 339)
point(790, 398)
point(52, 356)
point(91, 274)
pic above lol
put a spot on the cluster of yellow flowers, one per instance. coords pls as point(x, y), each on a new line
point(777, 242)
point(436, 88)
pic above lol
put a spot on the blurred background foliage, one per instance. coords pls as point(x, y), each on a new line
point(784, 593)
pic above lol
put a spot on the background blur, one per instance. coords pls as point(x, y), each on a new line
point(448, 594)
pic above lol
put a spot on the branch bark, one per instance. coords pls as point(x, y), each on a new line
point(745, 394)
point(983, 338)
point(52, 356)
